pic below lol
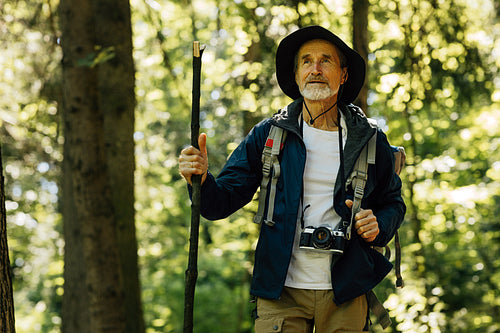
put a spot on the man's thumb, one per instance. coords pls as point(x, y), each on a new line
point(202, 142)
point(349, 203)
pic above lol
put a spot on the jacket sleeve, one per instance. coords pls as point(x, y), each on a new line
point(385, 200)
point(239, 179)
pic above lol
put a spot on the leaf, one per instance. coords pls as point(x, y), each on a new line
point(94, 59)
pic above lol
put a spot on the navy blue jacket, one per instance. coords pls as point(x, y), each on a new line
point(360, 268)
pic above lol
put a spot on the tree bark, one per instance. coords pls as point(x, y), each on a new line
point(102, 290)
point(7, 321)
point(360, 44)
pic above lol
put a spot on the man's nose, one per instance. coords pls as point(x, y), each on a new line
point(316, 69)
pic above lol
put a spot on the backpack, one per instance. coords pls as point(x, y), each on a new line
point(271, 171)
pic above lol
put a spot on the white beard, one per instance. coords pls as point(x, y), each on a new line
point(316, 92)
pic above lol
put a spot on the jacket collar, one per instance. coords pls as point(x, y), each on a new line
point(359, 133)
point(288, 117)
point(359, 130)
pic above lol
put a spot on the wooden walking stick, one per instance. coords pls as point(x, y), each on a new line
point(192, 269)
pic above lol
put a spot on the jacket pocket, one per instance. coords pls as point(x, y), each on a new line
point(268, 325)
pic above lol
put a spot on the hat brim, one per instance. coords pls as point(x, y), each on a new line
point(290, 45)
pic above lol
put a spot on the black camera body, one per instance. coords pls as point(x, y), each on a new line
point(322, 238)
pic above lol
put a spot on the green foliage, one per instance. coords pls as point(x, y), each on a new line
point(433, 78)
point(31, 146)
point(100, 56)
point(436, 94)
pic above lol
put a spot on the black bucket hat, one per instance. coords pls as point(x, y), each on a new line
point(290, 45)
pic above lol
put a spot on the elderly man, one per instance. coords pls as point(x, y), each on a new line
point(302, 287)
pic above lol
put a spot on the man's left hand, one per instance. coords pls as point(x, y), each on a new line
point(366, 224)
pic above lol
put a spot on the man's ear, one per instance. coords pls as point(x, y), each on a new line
point(345, 75)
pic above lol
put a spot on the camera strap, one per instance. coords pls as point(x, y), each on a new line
point(341, 170)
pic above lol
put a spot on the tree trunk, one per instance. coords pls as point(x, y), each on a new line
point(102, 290)
point(360, 44)
point(7, 323)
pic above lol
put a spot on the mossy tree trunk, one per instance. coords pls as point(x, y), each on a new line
point(7, 321)
point(102, 290)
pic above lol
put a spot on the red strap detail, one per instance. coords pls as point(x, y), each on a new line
point(269, 143)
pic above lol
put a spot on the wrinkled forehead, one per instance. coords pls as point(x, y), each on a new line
point(322, 47)
point(318, 45)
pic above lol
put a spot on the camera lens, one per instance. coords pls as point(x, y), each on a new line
point(321, 238)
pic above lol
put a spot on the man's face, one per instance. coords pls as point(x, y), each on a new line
point(319, 73)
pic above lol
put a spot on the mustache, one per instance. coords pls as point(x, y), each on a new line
point(313, 78)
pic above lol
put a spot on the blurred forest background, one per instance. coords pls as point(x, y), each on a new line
point(434, 87)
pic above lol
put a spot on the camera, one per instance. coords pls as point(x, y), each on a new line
point(322, 238)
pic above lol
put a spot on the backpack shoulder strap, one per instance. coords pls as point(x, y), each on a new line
point(270, 173)
point(378, 310)
point(400, 159)
point(359, 177)
point(400, 156)
point(373, 302)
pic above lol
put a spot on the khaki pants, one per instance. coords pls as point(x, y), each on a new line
point(307, 311)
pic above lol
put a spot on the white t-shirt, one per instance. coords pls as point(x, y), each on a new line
point(312, 269)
